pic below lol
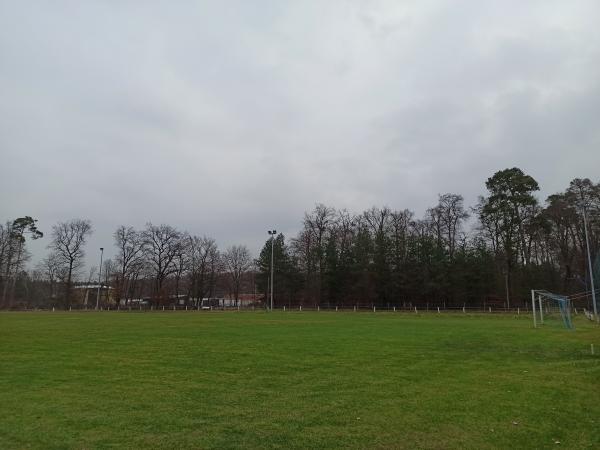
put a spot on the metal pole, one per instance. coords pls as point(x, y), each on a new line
point(272, 245)
point(99, 277)
point(541, 309)
point(272, 233)
point(533, 308)
point(589, 258)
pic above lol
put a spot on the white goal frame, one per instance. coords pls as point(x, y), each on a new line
point(563, 301)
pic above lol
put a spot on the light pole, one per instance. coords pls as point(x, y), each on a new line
point(99, 277)
point(589, 258)
point(272, 233)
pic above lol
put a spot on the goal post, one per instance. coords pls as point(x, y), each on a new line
point(553, 306)
point(533, 308)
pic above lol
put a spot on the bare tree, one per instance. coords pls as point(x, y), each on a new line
point(137, 273)
point(317, 228)
point(203, 259)
point(162, 244)
point(53, 271)
point(452, 214)
point(400, 228)
point(130, 255)
point(182, 262)
point(110, 271)
point(85, 299)
point(215, 266)
point(237, 260)
point(68, 240)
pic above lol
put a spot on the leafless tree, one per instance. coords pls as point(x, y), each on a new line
point(451, 214)
point(53, 271)
point(378, 220)
point(400, 228)
point(181, 261)
point(204, 259)
point(110, 271)
point(162, 244)
point(85, 299)
point(237, 260)
point(317, 228)
point(130, 255)
point(68, 240)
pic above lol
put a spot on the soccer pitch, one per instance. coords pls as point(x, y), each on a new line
point(296, 380)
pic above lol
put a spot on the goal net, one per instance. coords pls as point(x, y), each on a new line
point(550, 308)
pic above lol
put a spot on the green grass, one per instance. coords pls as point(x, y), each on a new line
point(296, 380)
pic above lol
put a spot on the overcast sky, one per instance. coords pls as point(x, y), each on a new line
point(229, 118)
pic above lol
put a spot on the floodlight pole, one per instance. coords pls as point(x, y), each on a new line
point(272, 234)
point(589, 258)
point(99, 277)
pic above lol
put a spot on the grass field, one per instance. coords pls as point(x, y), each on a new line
point(296, 380)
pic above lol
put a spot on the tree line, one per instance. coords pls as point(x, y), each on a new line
point(385, 257)
point(493, 252)
point(159, 263)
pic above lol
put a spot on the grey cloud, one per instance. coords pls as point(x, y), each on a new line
point(231, 118)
